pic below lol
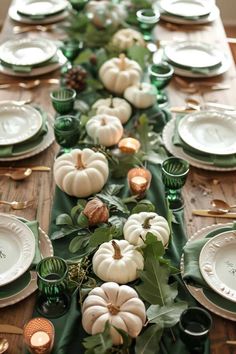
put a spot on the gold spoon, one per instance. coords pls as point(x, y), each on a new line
point(18, 175)
point(221, 206)
point(30, 84)
point(4, 345)
point(17, 205)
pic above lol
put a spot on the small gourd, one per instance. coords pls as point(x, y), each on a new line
point(96, 211)
point(138, 225)
point(142, 96)
point(119, 305)
point(117, 261)
point(105, 129)
point(126, 38)
point(114, 106)
point(104, 13)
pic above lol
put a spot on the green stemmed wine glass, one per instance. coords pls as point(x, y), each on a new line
point(67, 130)
point(52, 278)
point(160, 76)
point(78, 5)
point(174, 175)
point(147, 19)
point(70, 49)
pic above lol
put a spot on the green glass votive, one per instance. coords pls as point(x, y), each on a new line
point(78, 5)
point(52, 278)
point(174, 175)
point(67, 130)
point(160, 76)
point(63, 100)
point(147, 19)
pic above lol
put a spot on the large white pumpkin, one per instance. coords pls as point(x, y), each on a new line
point(104, 129)
point(120, 305)
point(117, 74)
point(114, 106)
point(126, 38)
point(81, 173)
point(104, 13)
point(117, 261)
point(142, 95)
point(138, 225)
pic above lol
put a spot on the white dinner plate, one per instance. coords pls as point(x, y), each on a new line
point(186, 8)
point(41, 7)
point(18, 123)
point(217, 263)
point(209, 132)
point(17, 248)
point(177, 151)
point(27, 51)
point(214, 14)
point(195, 55)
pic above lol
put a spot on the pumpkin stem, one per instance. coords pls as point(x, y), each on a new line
point(103, 121)
point(146, 223)
point(117, 252)
point(122, 63)
point(79, 165)
point(111, 102)
point(140, 86)
point(114, 310)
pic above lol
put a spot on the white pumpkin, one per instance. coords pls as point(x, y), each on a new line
point(117, 74)
point(117, 261)
point(104, 129)
point(143, 95)
point(81, 173)
point(120, 305)
point(104, 13)
point(138, 225)
point(114, 106)
point(126, 38)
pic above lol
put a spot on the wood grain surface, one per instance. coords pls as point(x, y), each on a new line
point(201, 186)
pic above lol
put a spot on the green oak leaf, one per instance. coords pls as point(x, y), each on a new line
point(167, 315)
point(140, 54)
point(148, 341)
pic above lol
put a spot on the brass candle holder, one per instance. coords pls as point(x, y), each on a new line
point(129, 145)
point(139, 180)
point(39, 335)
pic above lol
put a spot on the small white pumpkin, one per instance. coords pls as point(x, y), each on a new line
point(138, 225)
point(117, 261)
point(81, 173)
point(114, 106)
point(104, 129)
point(120, 305)
point(126, 38)
point(143, 95)
point(117, 74)
point(104, 13)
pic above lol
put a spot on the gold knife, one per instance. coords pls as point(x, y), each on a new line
point(6, 328)
point(213, 214)
point(33, 168)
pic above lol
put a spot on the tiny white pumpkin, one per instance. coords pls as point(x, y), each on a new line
point(120, 305)
point(105, 129)
point(114, 106)
point(126, 38)
point(117, 261)
point(117, 74)
point(81, 173)
point(143, 95)
point(138, 225)
point(104, 13)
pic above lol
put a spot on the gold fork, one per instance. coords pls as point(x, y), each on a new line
point(18, 205)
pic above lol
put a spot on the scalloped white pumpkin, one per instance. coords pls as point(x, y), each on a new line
point(120, 305)
point(117, 261)
point(81, 173)
point(143, 95)
point(126, 38)
point(117, 74)
point(104, 129)
point(104, 13)
point(114, 106)
point(138, 225)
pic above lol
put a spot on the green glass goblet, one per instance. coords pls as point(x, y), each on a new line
point(147, 19)
point(67, 130)
point(78, 5)
point(174, 175)
point(63, 100)
point(160, 75)
point(52, 277)
point(70, 49)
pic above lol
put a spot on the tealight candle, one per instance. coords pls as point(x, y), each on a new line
point(139, 180)
point(39, 339)
point(129, 145)
point(39, 335)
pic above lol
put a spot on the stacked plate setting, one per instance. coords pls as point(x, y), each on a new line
point(188, 12)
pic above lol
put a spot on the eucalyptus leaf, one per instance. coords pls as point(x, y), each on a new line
point(148, 341)
point(167, 315)
point(99, 343)
point(63, 232)
point(64, 219)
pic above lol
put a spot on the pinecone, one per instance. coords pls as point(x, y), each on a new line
point(75, 78)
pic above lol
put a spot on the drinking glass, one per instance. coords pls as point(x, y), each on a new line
point(195, 324)
point(78, 5)
point(174, 175)
point(67, 130)
point(160, 76)
point(63, 100)
point(52, 277)
point(70, 49)
point(147, 19)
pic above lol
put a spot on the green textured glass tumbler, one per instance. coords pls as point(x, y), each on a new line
point(147, 19)
point(63, 100)
point(52, 277)
point(174, 175)
point(67, 130)
point(160, 75)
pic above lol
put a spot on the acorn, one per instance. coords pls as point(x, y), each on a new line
point(96, 211)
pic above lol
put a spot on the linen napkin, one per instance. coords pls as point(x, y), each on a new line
point(216, 160)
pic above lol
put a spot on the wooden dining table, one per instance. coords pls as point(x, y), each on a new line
point(202, 186)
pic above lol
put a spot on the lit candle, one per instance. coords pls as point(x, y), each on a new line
point(139, 180)
point(39, 339)
point(129, 145)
